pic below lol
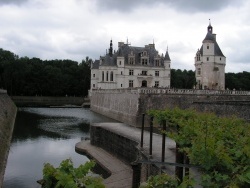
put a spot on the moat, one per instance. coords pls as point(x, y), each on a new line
point(46, 135)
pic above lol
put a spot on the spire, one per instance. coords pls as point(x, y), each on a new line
point(210, 28)
point(167, 55)
point(111, 48)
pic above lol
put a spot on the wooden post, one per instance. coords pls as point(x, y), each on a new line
point(142, 130)
point(151, 136)
point(179, 159)
point(163, 141)
point(136, 174)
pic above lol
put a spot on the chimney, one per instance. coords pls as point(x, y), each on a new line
point(214, 36)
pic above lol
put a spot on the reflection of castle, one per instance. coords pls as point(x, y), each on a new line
point(210, 64)
point(130, 67)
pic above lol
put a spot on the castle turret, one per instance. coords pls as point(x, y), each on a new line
point(210, 63)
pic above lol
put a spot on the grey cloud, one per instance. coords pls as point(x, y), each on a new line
point(17, 2)
point(189, 6)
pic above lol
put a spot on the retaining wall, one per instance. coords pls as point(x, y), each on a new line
point(8, 112)
point(127, 105)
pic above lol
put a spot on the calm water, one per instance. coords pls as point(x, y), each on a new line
point(46, 135)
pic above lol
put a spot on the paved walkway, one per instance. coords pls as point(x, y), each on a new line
point(121, 174)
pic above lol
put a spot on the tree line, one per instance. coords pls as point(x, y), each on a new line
point(33, 76)
point(36, 77)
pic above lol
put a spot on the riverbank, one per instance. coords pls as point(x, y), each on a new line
point(8, 112)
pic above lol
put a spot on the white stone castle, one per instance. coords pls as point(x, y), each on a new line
point(210, 64)
point(133, 67)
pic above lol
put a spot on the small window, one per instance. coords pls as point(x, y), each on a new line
point(103, 76)
point(220, 58)
point(107, 76)
point(131, 72)
point(111, 76)
point(144, 72)
point(93, 85)
point(121, 85)
point(131, 61)
point(207, 47)
point(131, 83)
point(120, 62)
point(157, 73)
point(199, 71)
point(157, 62)
point(156, 83)
point(93, 75)
point(207, 58)
point(121, 72)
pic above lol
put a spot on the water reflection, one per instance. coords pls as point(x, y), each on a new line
point(45, 135)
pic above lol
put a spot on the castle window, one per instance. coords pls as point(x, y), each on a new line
point(207, 58)
point(107, 76)
point(121, 73)
point(220, 58)
point(93, 85)
point(207, 47)
point(93, 75)
point(131, 83)
point(144, 73)
point(199, 71)
point(121, 85)
point(103, 76)
point(144, 53)
point(156, 83)
point(120, 62)
point(131, 72)
point(157, 73)
point(111, 76)
point(144, 61)
point(131, 60)
point(157, 62)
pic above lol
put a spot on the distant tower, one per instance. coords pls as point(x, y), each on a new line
point(210, 63)
point(111, 49)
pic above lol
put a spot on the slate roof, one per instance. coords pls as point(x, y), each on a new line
point(210, 37)
point(125, 50)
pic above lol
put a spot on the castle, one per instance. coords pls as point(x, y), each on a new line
point(133, 67)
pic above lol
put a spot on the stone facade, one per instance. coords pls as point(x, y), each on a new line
point(210, 63)
point(131, 67)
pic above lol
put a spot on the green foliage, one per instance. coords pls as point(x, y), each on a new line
point(66, 176)
point(30, 77)
point(219, 145)
point(182, 79)
point(166, 181)
point(238, 81)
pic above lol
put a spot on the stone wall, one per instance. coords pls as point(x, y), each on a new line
point(121, 105)
point(27, 101)
point(8, 112)
point(128, 105)
point(120, 146)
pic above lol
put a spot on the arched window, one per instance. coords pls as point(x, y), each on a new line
point(107, 76)
point(103, 76)
point(111, 76)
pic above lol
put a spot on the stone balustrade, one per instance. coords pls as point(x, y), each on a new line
point(172, 91)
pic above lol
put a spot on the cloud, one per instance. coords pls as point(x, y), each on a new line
point(188, 6)
point(16, 2)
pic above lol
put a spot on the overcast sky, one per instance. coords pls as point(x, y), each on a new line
point(74, 29)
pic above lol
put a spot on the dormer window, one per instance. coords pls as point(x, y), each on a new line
point(157, 62)
point(145, 53)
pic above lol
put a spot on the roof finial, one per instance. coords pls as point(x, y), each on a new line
point(209, 21)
